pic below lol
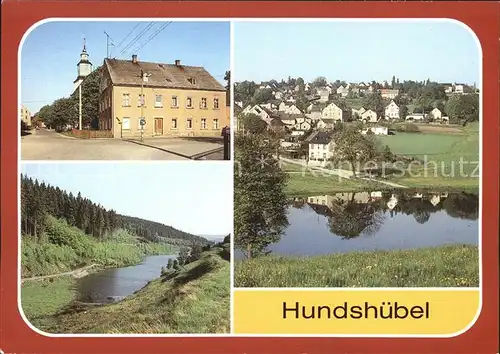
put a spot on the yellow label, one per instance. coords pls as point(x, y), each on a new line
point(355, 312)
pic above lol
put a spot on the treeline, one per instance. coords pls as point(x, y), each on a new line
point(63, 112)
point(41, 199)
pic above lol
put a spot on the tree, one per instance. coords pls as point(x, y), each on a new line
point(227, 78)
point(300, 81)
point(65, 112)
point(351, 146)
point(403, 111)
point(245, 91)
point(196, 251)
point(463, 108)
point(90, 99)
point(183, 255)
point(375, 102)
point(319, 81)
point(175, 265)
point(252, 123)
point(393, 82)
point(260, 203)
point(387, 154)
point(262, 96)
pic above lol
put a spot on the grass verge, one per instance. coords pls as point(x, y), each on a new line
point(444, 266)
point(193, 300)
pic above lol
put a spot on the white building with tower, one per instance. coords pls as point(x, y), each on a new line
point(84, 68)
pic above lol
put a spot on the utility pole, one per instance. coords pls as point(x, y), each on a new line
point(109, 42)
point(142, 104)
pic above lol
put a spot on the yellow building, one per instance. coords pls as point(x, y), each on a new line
point(177, 100)
point(25, 116)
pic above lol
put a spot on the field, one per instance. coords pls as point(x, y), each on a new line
point(441, 154)
point(192, 300)
point(446, 266)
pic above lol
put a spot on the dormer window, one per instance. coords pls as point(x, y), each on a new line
point(192, 80)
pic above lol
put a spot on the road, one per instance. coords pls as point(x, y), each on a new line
point(48, 145)
point(339, 172)
point(77, 273)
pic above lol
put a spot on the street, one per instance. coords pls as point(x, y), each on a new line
point(48, 145)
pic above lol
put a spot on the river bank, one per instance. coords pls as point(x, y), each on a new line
point(194, 299)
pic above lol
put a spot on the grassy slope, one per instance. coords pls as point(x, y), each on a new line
point(446, 266)
point(76, 249)
point(195, 300)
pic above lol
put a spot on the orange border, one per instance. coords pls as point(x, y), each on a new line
point(18, 16)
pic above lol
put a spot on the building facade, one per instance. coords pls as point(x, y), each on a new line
point(25, 116)
point(172, 99)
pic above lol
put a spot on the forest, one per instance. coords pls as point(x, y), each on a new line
point(39, 199)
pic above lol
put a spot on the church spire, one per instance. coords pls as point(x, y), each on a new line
point(84, 45)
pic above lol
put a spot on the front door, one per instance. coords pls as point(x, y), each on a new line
point(158, 126)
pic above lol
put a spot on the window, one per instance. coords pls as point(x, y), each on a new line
point(125, 100)
point(174, 101)
point(216, 103)
point(192, 80)
point(126, 123)
point(189, 102)
point(141, 100)
point(203, 103)
point(203, 123)
point(189, 123)
point(216, 124)
point(158, 101)
point(174, 123)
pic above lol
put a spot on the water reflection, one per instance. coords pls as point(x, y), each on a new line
point(378, 220)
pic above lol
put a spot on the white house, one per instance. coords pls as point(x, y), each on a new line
point(309, 108)
point(320, 148)
point(278, 95)
point(436, 114)
point(324, 96)
point(263, 112)
point(342, 91)
point(325, 123)
point(292, 110)
point(304, 126)
point(389, 93)
point(369, 116)
point(459, 88)
point(332, 111)
point(392, 111)
point(282, 107)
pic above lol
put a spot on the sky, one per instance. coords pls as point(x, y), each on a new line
point(192, 197)
point(356, 51)
point(52, 50)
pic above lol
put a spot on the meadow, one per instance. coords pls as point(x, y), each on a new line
point(445, 266)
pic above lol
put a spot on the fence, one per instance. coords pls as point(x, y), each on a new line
point(92, 134)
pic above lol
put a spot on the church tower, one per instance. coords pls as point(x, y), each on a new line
point(84, 66)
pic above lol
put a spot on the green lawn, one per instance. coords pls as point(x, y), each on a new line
point(446, 266)
point(196, 299)
point(308, 182)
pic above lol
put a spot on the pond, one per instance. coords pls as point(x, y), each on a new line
point(114, 284)
point(369, 221)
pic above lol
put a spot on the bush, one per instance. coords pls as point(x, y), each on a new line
point(407, 128)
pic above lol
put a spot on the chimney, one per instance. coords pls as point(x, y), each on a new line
point(134, 58)
point(177, 62)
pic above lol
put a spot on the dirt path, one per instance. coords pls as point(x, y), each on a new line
point(77, 273)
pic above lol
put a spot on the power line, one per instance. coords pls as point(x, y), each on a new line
point(136, 38)
point(153, 35)
point(123, 40)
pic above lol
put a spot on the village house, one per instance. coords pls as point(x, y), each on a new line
point(320, 148)
point(316, 112)
point(278, 95)
point(25, 116)
point(324, 96)
point(415, 116)
point(276, 125)
point(392, 111)
point(173, 99)
point(435, 114)
point(325, 123)
point(369, 116)
point(342, 91)
point(389, 93)
point(292, 110)
point(263, 112)
point(332, 111)
point(282, 107)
